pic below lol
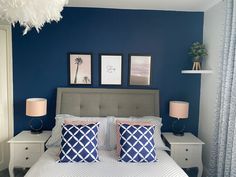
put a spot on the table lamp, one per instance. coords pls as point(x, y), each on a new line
point(178, 110)
point(36, 108)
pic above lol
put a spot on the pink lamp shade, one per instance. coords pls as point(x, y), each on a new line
point(179, 109)
point(36, 107)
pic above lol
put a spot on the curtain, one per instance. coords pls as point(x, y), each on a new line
point(223, 155)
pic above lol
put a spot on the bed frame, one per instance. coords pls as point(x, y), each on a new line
point(107, 102)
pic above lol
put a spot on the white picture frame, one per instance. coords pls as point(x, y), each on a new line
point(111, 69)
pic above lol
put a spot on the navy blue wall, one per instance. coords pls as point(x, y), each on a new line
point(41, 64)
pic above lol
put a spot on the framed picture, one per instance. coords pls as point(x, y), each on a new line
point(111, 69)
point(80, 68)
point(140, 70)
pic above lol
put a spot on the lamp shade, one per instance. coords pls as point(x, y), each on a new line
point(179, 109)
point(36, 107)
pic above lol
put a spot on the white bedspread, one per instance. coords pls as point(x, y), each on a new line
point(107, 167)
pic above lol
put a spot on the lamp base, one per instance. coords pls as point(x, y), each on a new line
point(35, 130)
point(178, 128)
point(178, 133)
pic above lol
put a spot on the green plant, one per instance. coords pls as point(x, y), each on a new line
point(198, 50)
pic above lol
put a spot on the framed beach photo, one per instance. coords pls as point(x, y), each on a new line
point(111, 69)
point(140, 70)
point(80, 68)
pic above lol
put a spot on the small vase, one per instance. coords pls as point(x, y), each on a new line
point(196, 63)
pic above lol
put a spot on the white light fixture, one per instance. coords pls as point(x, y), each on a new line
point(31, 13)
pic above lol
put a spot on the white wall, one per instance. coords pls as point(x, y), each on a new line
point(213, 39)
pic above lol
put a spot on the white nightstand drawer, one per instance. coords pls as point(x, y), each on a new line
point(26, 159)
point(29, 148)
point(185, 148)
point(184, 160)
point(186, 155)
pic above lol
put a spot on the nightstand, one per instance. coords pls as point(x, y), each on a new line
point(26, 148)
point(185, 150)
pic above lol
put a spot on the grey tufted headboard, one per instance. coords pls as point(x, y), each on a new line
point(107, 102)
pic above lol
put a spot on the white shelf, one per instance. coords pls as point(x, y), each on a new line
point(196, 71)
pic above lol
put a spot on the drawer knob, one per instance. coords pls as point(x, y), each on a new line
point(27, 158)
point(186, 149)
point(186, 159)
point(26, 148)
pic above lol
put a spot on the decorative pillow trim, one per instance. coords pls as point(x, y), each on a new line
point(78, 122)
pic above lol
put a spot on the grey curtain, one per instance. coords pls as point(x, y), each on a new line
point(223, 155)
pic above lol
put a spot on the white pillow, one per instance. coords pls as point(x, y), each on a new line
point(55, 139)
point(153, 119)
point(157, 135)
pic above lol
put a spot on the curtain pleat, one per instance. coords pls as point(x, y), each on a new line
point(223, 154)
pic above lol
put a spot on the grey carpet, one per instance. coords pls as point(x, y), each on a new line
point(17, 171)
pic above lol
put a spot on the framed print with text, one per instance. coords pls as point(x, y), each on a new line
point(111, 69)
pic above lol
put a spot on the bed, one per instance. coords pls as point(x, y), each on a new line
point(106, 102)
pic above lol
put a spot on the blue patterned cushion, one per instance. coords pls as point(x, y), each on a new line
point(79, 143)
point(137, 143)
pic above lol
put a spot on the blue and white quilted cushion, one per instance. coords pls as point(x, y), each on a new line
point(137, 143)
point(79, 143)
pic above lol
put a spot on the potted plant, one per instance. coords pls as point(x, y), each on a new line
point(197, 51)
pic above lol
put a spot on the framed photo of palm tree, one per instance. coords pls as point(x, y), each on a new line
point(111, 69)
point(80, 68)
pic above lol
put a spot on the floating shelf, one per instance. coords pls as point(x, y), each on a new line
point(196, 71)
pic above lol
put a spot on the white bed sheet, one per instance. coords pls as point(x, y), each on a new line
point(108, 166)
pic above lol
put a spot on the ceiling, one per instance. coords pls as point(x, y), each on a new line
point(175, 5)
